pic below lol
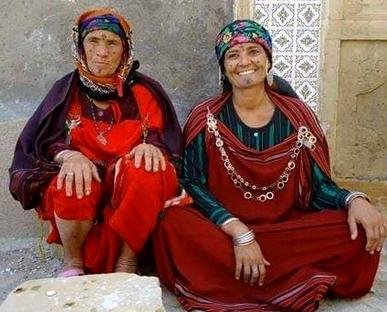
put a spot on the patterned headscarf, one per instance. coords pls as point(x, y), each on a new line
point(242, 31)
point(104, 22)
point(102, 88)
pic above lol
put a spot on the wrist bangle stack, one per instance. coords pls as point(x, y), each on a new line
point(229, 221)
point(351, 196)
point(244, 239)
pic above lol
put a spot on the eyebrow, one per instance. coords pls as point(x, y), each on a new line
point(232, 50)
point(246, 48)
point(112, 40)
point(91, 37)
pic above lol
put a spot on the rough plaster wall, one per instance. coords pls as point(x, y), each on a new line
point(173, 40)
point(362, 111)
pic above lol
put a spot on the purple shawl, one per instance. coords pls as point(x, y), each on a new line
point(31, 170)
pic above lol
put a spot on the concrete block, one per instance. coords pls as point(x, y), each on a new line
point(116, 292)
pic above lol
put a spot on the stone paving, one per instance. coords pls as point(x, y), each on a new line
point(21, 260)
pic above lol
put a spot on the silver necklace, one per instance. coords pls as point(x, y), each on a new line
point(250, 190)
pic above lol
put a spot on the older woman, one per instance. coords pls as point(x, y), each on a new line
point(93, 159)
point(270, 230)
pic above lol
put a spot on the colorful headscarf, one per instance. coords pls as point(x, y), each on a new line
point(104, 22)
point(102, 19)
point(242, 31)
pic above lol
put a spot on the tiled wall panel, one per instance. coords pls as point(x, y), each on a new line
point(295, 28)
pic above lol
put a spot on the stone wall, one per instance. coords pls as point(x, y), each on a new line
point(354, 89)
point(174, 41)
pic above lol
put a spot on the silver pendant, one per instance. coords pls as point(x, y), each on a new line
point(101, 138)
point(71, 124)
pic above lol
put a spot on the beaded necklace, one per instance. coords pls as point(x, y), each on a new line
point(100, 133)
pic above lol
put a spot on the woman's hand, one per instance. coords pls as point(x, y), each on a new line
point(153, 157)
point(79, 170)
point(249, 260)
point(360, 211)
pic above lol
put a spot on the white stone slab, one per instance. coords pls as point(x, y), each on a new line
point(92, 293)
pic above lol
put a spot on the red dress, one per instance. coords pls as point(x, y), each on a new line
point(310, 252)
point(126, 204)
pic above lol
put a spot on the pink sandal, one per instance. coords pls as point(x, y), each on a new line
point(71, 272)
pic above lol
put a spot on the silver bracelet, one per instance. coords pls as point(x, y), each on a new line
point(229, 221)
point(351, 196)
point(244, 239)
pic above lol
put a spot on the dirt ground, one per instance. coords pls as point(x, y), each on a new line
point(23, 259)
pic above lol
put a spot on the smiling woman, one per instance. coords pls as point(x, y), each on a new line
point(269, 230)
point(246, 65)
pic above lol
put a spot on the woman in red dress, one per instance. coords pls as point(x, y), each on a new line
point(94, 158)
point(269, 230)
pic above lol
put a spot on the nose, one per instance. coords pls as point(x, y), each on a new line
point(244, 59)
point(102, 50)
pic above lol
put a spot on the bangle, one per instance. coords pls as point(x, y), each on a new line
point(351, 196)
point(244, 239)
point(229, 221)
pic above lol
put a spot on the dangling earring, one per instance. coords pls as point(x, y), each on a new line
point(222, 79)
point(269, 74)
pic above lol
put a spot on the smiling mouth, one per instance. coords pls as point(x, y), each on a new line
point(247, 72)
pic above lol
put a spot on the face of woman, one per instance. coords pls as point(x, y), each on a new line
point(245, 65)
point(103, 50)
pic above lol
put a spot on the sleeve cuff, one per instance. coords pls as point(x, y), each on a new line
point(219, 220)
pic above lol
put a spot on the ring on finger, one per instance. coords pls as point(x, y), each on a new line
point(254, 269)
point(70, 173)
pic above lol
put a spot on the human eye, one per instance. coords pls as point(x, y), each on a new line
point(232, 55)
point(113, 43)
point(255, 51)
point(92, 40)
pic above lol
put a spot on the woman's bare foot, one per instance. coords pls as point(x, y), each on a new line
point(126, 266)
point(72, 263)
point(127, 260)
point(72, 267)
